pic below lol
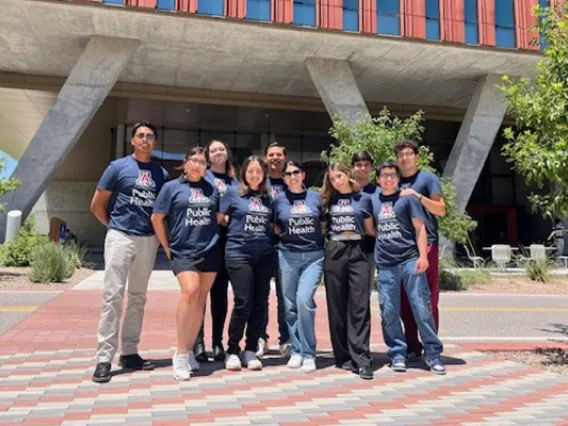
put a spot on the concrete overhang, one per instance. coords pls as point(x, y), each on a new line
point(189, 51)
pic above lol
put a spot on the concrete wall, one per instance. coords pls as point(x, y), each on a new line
point(69, 193)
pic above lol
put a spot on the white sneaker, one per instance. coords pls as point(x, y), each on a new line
point(233, 363)
point(285, 349)
point(193, 364)
point(262, 348)
point(181, 366)
point(251, 361)
point(309, 365)
point(295, 361)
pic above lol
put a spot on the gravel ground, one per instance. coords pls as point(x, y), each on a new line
point(17, 279)
point(555, 360)
point(521, 285)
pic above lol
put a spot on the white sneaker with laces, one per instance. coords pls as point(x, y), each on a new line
point(262, 348)
point(295, 361)
point(251, 361)
point(233, 363)
point(181, 366)
point(309, 365)
point(193, 364)
point(285, 349)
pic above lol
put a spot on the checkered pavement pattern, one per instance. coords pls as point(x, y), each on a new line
point(46, 363)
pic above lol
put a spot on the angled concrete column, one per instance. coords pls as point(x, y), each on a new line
point(477, 133)
point(84, 91)
point(337, 87)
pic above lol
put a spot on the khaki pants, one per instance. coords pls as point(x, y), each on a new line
point(131, 258)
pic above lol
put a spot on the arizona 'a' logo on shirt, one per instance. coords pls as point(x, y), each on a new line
point(276, 189)
point(145, 179)
point(197, 196)
point(387, 211)
point(300, 207)
point(221, 185)
point(255, 205)
point(343, 206)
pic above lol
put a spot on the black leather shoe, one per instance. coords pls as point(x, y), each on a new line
point(218, 352)
point(102, 373)
point(200, 353)
point(135, 362)
point(366, 373)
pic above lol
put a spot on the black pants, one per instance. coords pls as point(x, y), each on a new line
point(347, 290)
point(250, 280)
point(284, 334)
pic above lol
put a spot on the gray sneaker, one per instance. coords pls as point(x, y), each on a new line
point(399, 365)
point(435, 365)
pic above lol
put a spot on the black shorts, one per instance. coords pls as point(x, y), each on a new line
point(211, 262)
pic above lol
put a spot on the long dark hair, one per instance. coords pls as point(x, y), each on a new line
point(229, 163)
point(327, 190)
point(193, 151)
point(244, 187)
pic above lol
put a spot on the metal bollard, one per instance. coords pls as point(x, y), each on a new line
point(13, 223)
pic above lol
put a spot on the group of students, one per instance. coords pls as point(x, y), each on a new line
point(215, 228)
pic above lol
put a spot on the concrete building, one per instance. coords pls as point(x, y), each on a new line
point(75, 75)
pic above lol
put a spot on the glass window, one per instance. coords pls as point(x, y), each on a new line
point(505, 23)
point(211, 7)
point(350, 15)
point(247, 144)
point(432, 20)
point(543, 44)
point(166, 5)
point(305, 13)
point(258, 10)
point(470, 18)
point(388, 17)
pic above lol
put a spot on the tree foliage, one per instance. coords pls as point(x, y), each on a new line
point(537, 147)
point(379, 135)
point(6, 184)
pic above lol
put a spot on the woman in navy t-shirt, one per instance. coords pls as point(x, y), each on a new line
point(347, 282)
point(249, 258)
point(299, 216)
point(189, 204)
point(220, 174)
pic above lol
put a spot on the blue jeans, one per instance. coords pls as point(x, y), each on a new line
point(300, 275)
point(416, 286)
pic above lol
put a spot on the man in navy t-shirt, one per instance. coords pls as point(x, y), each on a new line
point(275, 157)
point(401, 256)
point(123, 203)
point(425, 187)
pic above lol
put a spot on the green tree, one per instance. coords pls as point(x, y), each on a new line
point(6, 184)
point(379, 135)
point(537, 146)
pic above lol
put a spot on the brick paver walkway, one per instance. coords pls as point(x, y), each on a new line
point(46, 363)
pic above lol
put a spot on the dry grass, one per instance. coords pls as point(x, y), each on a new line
point(553, 359)
point(17, 279)
point(521, 285)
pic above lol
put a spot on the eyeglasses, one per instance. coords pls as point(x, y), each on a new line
point(149, 136)
point(197, 162)
point(388, 176)
point(292, 173)
point(406, 154)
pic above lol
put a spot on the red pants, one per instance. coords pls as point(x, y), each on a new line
point(433, 277)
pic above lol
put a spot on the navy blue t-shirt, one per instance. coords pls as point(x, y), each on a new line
point(369, 189)
point(134, 186)
point(221, 181)
point(251, 219)
point(395, 233)
point(347, 213)
point(191, 211)
point(299, 217)
point(427, 184)
point(276, 186)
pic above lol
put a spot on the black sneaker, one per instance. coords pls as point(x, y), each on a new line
point(218, 352)
point(366, 373)
point(135, 362)
point(200, 353)
point(347, 366)
point(102, 372)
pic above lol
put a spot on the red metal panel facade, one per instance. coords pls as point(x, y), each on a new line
point(368, 16)
point(330, 14)
point(486, 19)
point(142, 3)
point(283, 11)
point(452, 27)
point(236, 8)
point(413, 18)
point(524, 20)
point(186, 6)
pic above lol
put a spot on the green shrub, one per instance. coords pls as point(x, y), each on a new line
point(77, 255)
point(2, 253)
point(451, 281)
point(50, 263)
point(478, 276)
point(19, 251)
point(538, 270)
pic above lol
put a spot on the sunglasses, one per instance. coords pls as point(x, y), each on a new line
point(292, 173)
point(388, 176)
point(149, 136)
